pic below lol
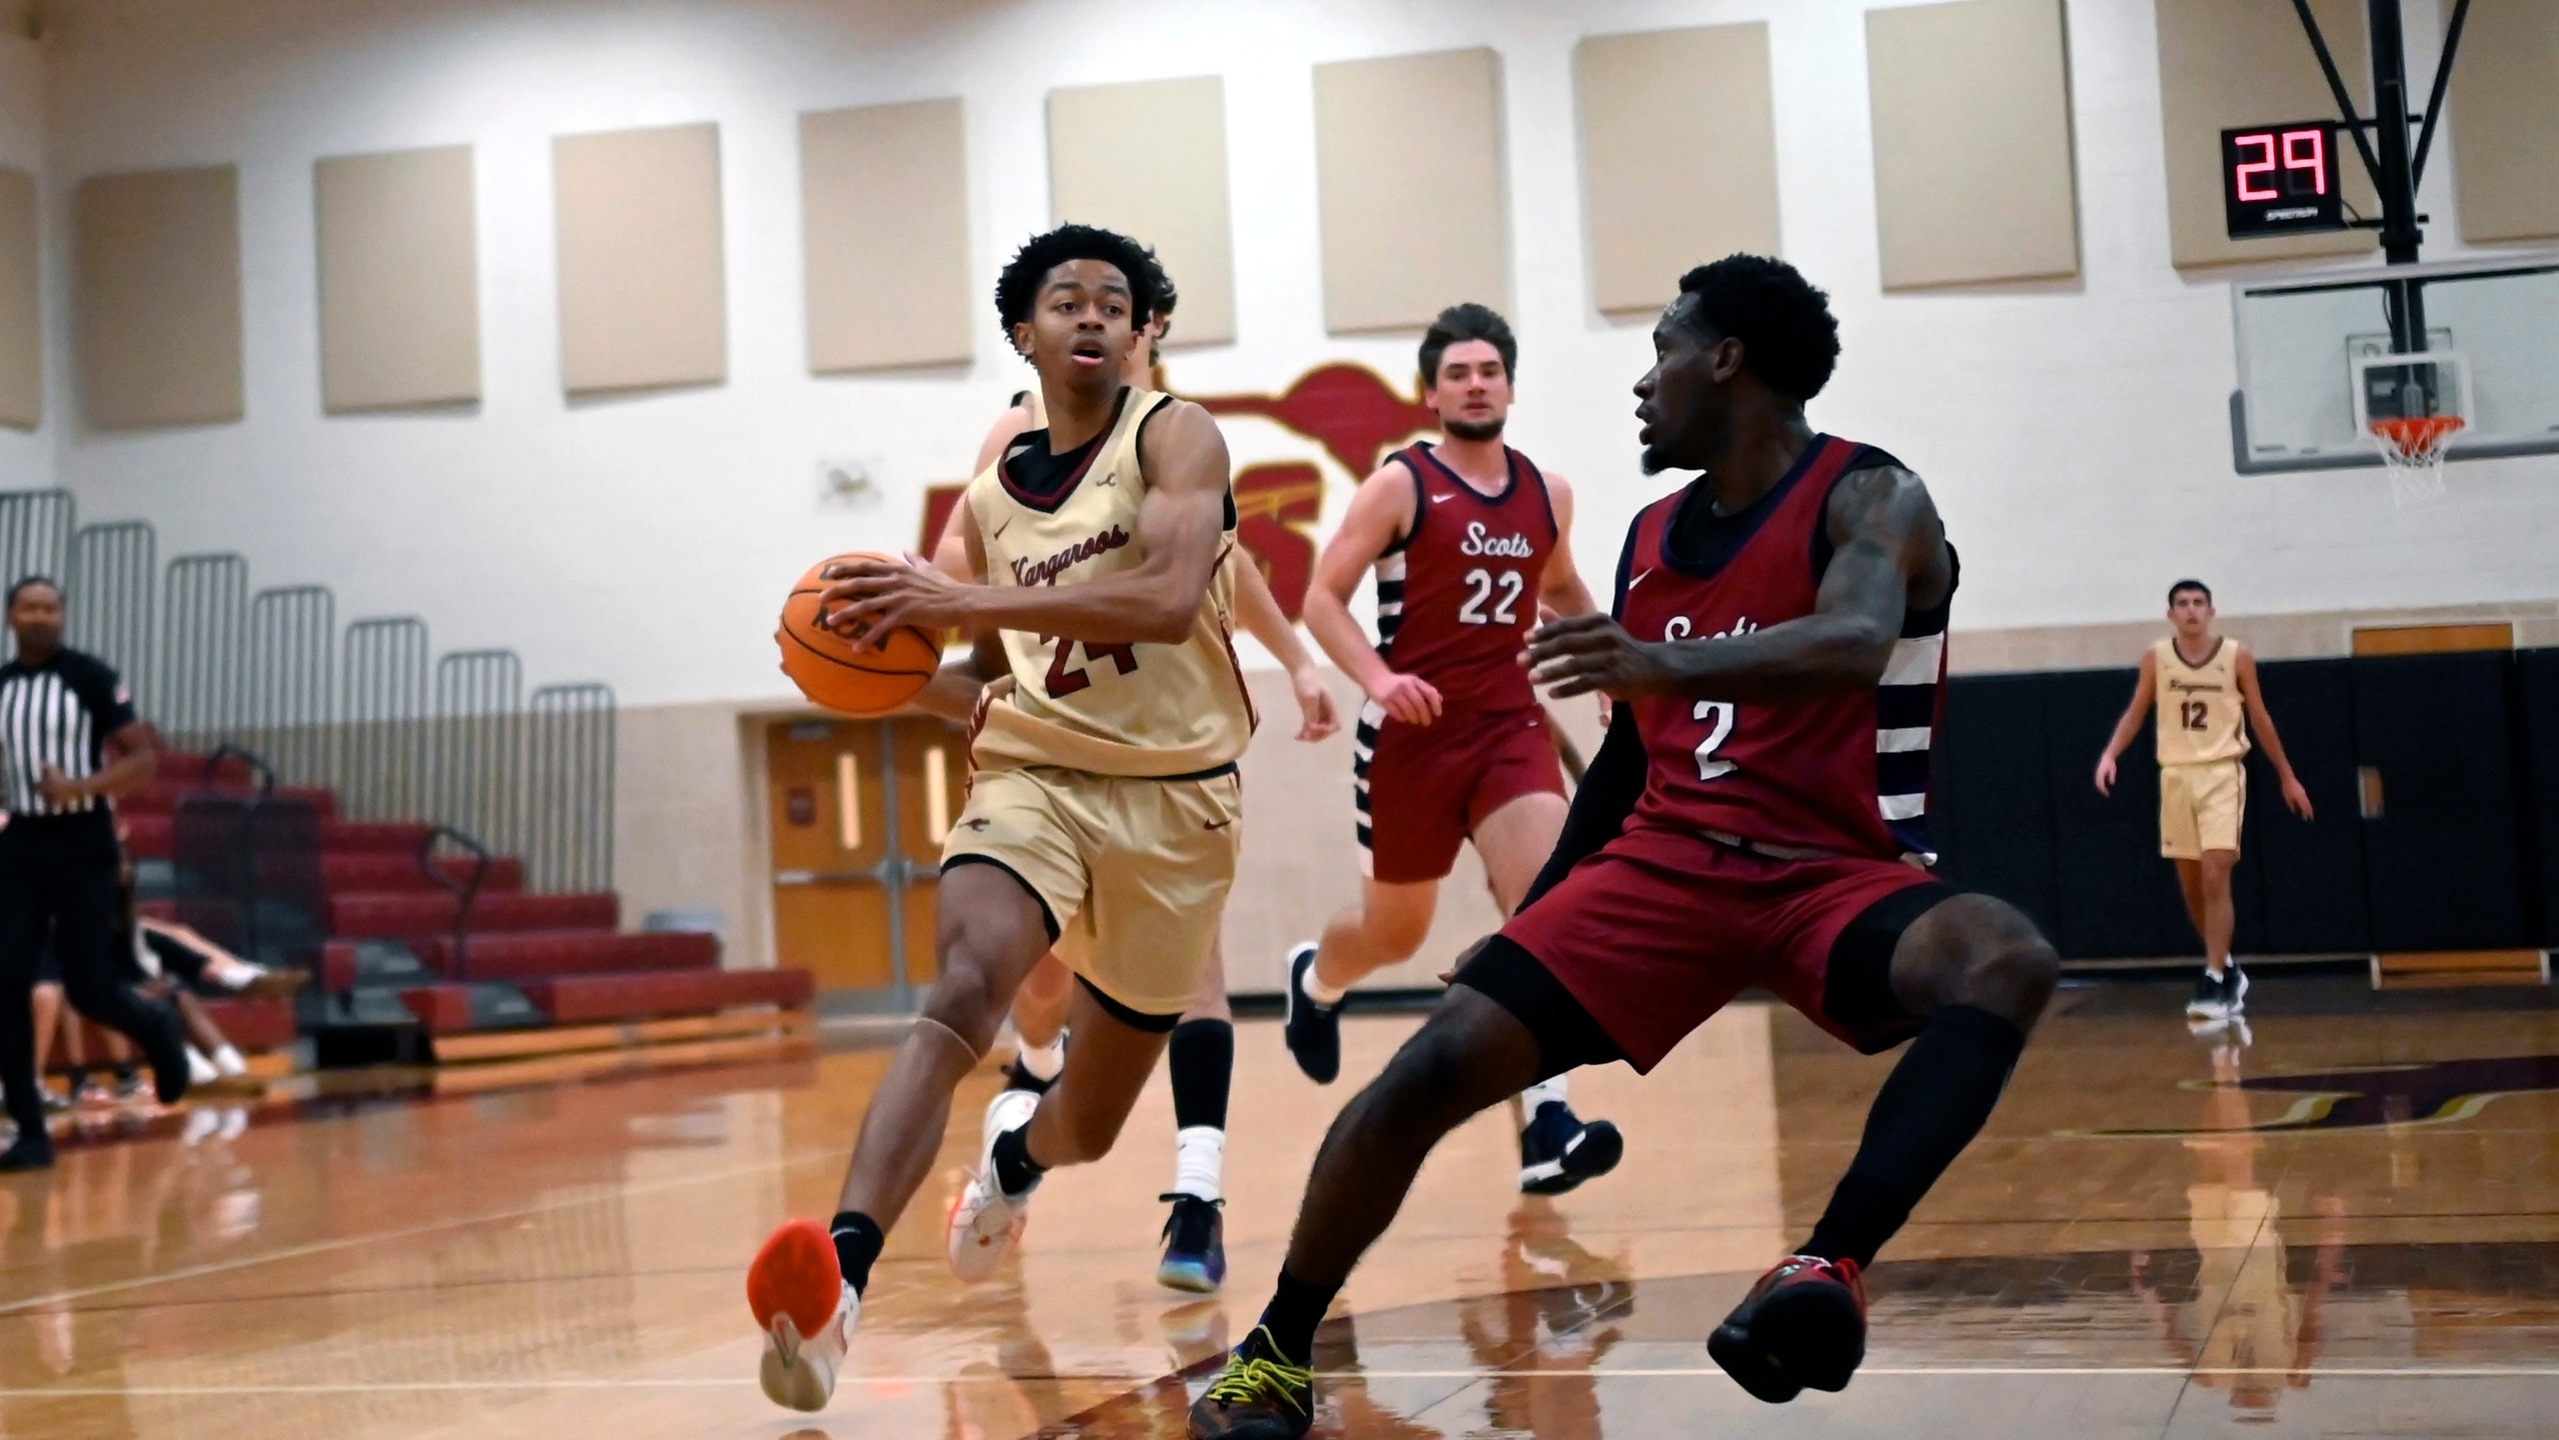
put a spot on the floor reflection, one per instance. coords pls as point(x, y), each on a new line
point(2241, 1324)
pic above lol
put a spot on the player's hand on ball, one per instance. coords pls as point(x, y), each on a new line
point(1582, 653)
point(871, 598)
point(1317, 715)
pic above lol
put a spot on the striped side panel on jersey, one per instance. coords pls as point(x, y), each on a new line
point(1905, 739)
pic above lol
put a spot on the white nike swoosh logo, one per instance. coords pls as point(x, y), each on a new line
point(1638, 580)
point(1442, 499)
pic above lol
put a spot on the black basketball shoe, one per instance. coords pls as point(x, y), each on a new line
point(1803, 1325)
point(1314, 1031)
point(1557, 1151)
point(1258, 1396)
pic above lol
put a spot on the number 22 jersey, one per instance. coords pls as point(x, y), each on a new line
point(1138, 709)
point(1846, 773)
point(1457, 596)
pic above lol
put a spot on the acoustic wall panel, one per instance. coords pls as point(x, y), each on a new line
point(1679, 156)
point(156, 297)
point(884, 229)
point(2224, 64)
point(1408, 154)
point(399, 279)
point(643, 302)
point(21, 308)
point(1971, 112)
point(2505, 120)
point(1149, 160)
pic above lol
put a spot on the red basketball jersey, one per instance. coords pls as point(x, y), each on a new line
point(1457, 596)
point(1846, 773)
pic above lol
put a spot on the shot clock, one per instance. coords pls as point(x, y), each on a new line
point(2281, 179)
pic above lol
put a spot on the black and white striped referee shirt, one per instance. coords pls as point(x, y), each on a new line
point(58, 713)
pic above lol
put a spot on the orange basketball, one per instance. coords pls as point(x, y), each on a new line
point(831, 671)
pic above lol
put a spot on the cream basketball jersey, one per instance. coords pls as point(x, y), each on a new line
point(2201, 719)
point(1136, 709)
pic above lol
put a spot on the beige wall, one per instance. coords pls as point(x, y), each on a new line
point(1149, 160)
point(2505, 120)
point(1410, 185)
point(1678, 151)
point(688, 820)
point(2228, 63)
point(1973, 160)
point(884, 226)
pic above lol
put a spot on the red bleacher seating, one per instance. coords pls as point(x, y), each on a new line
point(563, 950)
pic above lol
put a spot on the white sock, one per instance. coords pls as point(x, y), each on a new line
point(1199, 1161)
point(1542, 1092)
point(1319, 992)
point(200, 1071)
point(228, 1060)
point(1042, 1062)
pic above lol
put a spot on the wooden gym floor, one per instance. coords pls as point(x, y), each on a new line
point(2349, 1227)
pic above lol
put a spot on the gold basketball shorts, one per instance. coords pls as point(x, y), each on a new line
point(1134, 872)
point(2200, 807)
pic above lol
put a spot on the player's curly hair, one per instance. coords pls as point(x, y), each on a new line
point(1789, 338)
point(1018, 288)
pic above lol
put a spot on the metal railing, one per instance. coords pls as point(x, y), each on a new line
point(368, 711)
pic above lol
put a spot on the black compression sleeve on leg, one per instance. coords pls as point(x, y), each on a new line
point(1609, 790)
point(1202, 1057)
point(1932, 1105)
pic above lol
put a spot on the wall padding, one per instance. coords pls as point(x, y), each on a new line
point(1149, 160)
point(884, 224)
point(156, 297)
point(2228, 63)
point(2505, 120)
point(1409, 161)
point(1678, 154)
point(643, 300)
point(399, 279)
point(1973, 168)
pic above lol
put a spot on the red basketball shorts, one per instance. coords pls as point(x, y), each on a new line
point(1422, 789)
point(1661, 929)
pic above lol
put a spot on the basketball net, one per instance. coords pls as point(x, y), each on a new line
point(2412, 450)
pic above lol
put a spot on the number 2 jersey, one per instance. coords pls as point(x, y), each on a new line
point(1457, 596)
point(1844, 774)
point(1138, 709)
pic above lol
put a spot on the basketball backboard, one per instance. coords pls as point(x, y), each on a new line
point(2315, 362)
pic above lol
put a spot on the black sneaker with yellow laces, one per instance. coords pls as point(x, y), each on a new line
point(1258, 1396)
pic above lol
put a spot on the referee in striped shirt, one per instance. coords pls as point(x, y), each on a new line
point(62, 715)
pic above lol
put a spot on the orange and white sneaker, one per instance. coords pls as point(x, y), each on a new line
point(985, 1223)
point(806, 1311)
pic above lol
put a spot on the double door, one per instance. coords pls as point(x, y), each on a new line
point(858, 810)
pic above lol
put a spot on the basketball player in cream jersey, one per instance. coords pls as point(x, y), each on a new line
point(1103, 808)
point(2204, 687)
point(1201, 1053)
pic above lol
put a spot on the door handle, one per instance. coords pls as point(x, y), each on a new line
point(2368, 795)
